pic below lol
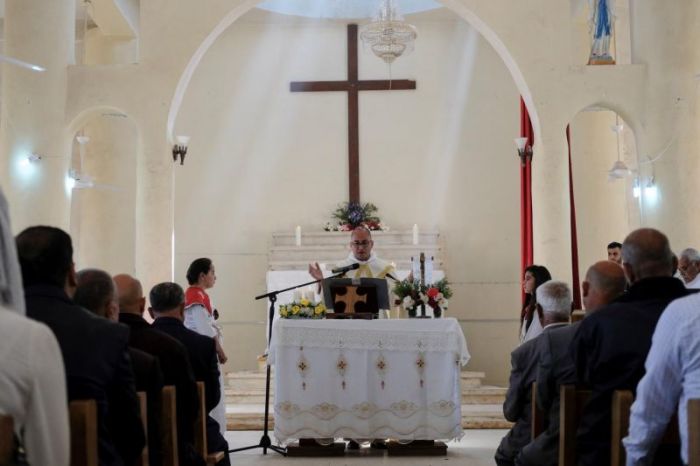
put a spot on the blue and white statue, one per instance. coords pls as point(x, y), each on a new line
point(602, 30)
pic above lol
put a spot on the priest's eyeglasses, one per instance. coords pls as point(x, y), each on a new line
point(358, 244)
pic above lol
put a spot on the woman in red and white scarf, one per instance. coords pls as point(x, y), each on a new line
point(200, 316)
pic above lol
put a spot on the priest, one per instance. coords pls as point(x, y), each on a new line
point(370, 266)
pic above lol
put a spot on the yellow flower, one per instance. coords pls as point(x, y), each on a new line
point(295, 310)
point(319, 309)
point(304, 302)
point(283, 311)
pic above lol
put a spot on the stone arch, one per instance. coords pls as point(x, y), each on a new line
point(454, 5)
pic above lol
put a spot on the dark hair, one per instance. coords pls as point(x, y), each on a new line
point(198, 266)
point(614, 245)
point(166, 296)
point(95, 290)
point(540, 273)
point(45, 255)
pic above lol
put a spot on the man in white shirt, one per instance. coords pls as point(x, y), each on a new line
point(689, 267)
point(672, 378)
point(33, 388)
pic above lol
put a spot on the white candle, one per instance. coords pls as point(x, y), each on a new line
point(415, 233)
point(297, 234)
point(297, 295)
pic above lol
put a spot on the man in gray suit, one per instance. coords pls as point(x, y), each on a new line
point(554, 301)
point(605, 281)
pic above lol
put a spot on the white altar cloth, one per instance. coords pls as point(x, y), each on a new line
point(368, 379)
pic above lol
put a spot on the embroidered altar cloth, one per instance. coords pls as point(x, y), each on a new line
point(365, 379)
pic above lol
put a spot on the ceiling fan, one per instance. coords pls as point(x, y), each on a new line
point(82, 180)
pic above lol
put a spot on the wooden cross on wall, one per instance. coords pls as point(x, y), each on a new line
point(352, 86)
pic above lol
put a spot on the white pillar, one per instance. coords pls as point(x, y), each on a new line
point(550, 203)
point(32, 112)
point(154, 207)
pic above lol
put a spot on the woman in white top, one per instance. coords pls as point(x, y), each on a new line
point(530, 323)
point(201, 316)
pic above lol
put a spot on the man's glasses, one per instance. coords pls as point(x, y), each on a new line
point(357, 244)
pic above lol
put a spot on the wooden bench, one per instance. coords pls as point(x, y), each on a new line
point(538, 416)
point(7, 439)
point(169, 426)
point(83, 433)
point(144, 420)
point(694, 432)
point(200, 431)
point(570, 409)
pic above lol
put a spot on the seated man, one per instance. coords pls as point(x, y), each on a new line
point(96, 292)
point(604, 282)
point(95, 351)
point(554, 302)
point(174, 362)
point(168, 310)
point(689, 268)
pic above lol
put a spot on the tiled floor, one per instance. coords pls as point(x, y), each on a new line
point(475, 449)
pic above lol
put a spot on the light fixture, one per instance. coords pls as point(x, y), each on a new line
point(650, 190)
point(618, 171)
point(524, 150)
point(180, 148)
point(388, 35)
point(636, 190)
point(82, 140)
point(34, 158)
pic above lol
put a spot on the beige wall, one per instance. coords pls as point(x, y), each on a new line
point(264, 159)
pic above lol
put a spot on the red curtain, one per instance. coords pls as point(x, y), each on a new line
point(526, 248)
point(574, 238)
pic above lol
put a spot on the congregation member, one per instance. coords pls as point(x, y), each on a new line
point(530, 319)
point(95, 352)
point(554, 303)
point(611, 345)
point(604, 282)
point(201, 316)
point(174, 363)
point(689, 268)
point(615, 252)
point(97, 293)
point(168, 309)
point(672, 378)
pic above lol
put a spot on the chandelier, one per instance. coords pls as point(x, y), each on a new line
point(388, 35)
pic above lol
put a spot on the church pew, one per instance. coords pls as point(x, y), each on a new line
point(570, 409)
point(169, 426)
point(83, 433)
point(7, 439)
point(144, 421)
point(537, 426)
point(200, 430)
point(621, 407)
point(694, 432)
point(577, 316)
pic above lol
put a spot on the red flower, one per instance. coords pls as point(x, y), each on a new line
point(432, 292)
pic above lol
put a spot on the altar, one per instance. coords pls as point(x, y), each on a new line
point(361, 379)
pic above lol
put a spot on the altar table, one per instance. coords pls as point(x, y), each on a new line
point(365, 379)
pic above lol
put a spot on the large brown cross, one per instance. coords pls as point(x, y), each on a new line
point(352, 86)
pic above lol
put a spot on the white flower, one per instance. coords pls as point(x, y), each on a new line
point(408, 302)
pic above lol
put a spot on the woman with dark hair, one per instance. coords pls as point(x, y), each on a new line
point(530, 323)
point(200, 316)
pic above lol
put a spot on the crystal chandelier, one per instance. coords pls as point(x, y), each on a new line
point(388, 35)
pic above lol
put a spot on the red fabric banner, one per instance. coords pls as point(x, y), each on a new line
point(576, 287)
point(526, 245)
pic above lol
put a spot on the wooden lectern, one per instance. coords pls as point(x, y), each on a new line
point(355, 298)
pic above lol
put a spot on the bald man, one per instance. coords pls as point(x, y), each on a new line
point(611, 344)
point(173, 358)
point(604, 282)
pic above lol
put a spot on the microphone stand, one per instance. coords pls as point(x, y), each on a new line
point(265, 442)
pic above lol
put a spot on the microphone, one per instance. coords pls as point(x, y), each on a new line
point(347, 268)
point(393, 277)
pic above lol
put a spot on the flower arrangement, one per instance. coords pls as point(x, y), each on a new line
point(303, 309)
point(351, 215)
point(411, 294)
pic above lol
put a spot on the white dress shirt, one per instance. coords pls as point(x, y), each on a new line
point(672, 378)
point(694, 283)
point(33, 388)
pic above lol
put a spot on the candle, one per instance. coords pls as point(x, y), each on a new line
point(297, 235)
point(415, 234)
point(297, 295)
point(310, 293)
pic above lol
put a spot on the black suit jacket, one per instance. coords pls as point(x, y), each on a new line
point(177, 371)
point(149, 379)
point(98, 366)
point(609, 350)
point(202, 353)
point(555, 368)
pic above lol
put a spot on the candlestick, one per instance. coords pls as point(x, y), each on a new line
point(415, 234)
point(297, 234)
